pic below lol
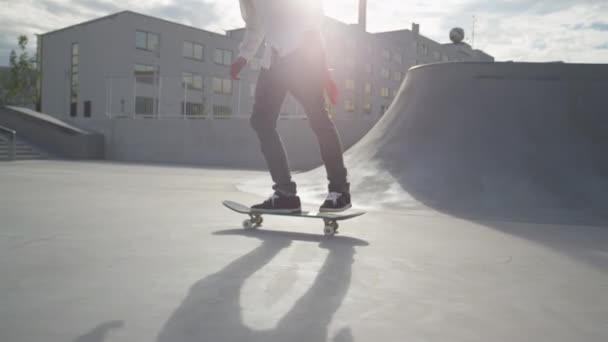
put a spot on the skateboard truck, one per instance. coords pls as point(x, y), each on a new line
point(254, 221)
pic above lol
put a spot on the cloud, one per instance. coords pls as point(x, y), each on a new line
point(517, 7)
point(598, 26)
point(577, 26)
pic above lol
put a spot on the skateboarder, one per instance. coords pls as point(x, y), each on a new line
point(294, 62)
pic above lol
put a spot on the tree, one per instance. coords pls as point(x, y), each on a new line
point(20, 83)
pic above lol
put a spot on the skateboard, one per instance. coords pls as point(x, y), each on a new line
point(330, 219)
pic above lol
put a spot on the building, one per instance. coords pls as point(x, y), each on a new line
point(4, 72)
point(129, 65)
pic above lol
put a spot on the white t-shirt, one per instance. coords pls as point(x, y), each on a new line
point(282, 23)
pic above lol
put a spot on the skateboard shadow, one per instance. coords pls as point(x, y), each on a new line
point(266, 234)
point(211, 311)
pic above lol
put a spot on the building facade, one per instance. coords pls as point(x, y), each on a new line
point(4, 74)
point(130, 65)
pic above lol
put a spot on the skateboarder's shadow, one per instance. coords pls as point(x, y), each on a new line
point(212, 312)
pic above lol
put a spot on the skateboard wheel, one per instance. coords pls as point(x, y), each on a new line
point(247, 224)
point(330, 230)
point(258, 220)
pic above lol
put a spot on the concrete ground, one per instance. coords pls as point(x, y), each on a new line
point(93, 252)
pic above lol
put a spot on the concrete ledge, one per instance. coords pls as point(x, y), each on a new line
point(224, 143)
point(52, 135)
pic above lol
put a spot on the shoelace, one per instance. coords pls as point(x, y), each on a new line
point(272, 198)
point(333, 196)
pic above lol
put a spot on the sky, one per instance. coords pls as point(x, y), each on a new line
point(574, 31)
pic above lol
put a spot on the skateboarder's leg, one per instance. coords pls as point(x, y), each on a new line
point(270, 93)
point(306, 85)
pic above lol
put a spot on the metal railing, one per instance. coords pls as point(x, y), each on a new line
point(12, 141)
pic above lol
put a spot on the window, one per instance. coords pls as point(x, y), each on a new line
point(193, 51)
point(74, 80)
point(141, 39)
point(386, 54)
point(350, 84)
point(73, 108)
point(349, 106)
point(223, 57)
point(145, 73)
point(385, 73)
point(87, 109)
point(222, 86)
point(146, 40)
point(423, 49)
point(397, 76)
point(397, 58)
point(384, 92)
point(368, 88)
point(222, 111)
point(192, 81)
point(193, 109)
point(144, 105)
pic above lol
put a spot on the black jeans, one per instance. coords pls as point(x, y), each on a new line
point(302, 74)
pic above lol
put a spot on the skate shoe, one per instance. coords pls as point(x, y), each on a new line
point(279, 204)
point(336, 202)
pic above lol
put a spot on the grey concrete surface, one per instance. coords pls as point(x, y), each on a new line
point(93, 252)
point(514, 141)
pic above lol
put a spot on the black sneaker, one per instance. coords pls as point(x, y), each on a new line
point(279, 204)
point(336, 202)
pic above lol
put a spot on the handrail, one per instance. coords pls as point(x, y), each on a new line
point(12, 141)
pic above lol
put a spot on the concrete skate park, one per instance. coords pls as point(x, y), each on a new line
point(486, 186)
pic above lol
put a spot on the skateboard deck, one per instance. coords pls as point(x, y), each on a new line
point(331, 219)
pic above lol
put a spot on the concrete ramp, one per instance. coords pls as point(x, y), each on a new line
point(496, 140)
point(51, 135)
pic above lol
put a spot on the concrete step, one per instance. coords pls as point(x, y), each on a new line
point(18, 147)
point(23, 151)
point(4, 157)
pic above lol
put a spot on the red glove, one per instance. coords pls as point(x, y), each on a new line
point(236, 67)
point(331, 88)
